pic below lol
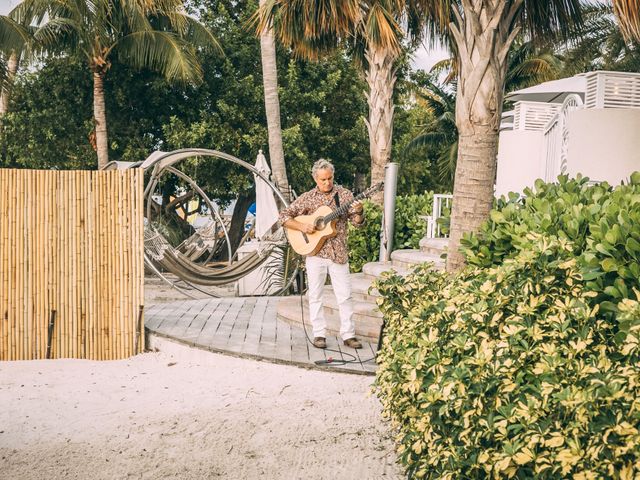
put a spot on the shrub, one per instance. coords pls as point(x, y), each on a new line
point(364, 242)
point(603, 225)
point(508, 372)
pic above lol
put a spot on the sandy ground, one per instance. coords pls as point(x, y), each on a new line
point(188, 414)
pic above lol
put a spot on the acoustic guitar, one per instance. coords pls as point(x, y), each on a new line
point(324, 219)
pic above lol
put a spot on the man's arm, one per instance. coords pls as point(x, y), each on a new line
point(287, 216)
point(296, 225)
point(356, 212)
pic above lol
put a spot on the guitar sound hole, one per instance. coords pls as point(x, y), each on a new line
point(319, 224)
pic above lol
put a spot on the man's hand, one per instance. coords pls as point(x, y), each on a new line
point(307, 228)
point(357, 207)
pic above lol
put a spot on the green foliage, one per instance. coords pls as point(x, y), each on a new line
point(409, 228)
point(50, 120)
point(602, 224)
point(364, 243)
point(508, 372)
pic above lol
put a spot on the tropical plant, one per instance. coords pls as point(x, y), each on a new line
point(483, 33)
point(14, 38)
point(440, 135)
point(601, 44)
point(373, 30)
point(600, 222)
point(154, 34)
point(272, 108)
point(628, 13)
point(510, 371)
point(528, 65)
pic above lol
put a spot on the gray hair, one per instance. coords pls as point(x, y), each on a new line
point(322, 164)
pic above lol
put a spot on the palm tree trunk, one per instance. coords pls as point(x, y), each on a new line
point(483, 39)
point(381, 78)
point(272, 108)
point(12, 70)
point(100, 118)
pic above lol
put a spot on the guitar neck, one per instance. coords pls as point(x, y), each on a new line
point(344, 208)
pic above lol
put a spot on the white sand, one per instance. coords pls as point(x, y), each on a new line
point(187, 414)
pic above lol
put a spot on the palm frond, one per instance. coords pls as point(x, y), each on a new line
point(13, 36)
point(628, 13)
point(446, 163)
point(382, 29)
point(164, 52)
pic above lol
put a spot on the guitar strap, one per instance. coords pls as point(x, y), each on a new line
point(336, 199)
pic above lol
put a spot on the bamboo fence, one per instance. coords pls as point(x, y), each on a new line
point(71, 264)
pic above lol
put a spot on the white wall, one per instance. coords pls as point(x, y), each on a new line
point(604, 144)
point(519, 160)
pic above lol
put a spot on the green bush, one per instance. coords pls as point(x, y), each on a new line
point(603, 225)
point(509, 372)
point(364, 242)
point(409, 228)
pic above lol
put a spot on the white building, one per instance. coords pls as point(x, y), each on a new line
point(588, 124)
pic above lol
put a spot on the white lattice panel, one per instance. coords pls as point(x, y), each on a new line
point(533, 116)
point(612, 90)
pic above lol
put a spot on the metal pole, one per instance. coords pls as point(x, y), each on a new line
point(388, 213)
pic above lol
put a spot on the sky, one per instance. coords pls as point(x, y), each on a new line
point(7, 5)
point(423, 59)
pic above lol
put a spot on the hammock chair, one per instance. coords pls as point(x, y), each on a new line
point(186, 260)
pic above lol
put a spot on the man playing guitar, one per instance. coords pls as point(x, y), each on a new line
point(332, 257)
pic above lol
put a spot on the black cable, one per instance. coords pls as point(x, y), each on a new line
point(329, 361)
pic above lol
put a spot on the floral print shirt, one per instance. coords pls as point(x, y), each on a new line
point(334, 248)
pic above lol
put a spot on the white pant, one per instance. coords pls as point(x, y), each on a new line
point(317, 274)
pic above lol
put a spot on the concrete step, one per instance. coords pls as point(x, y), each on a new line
point(409, 258)
point(360, 285)
point(373, 270)
point(436, 246)
point(365, 315)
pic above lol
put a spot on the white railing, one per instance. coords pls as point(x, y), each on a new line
point(556, 138)
point(533, 116)
point(440, 202)
point(612, 90)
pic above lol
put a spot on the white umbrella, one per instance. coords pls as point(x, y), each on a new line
point(266, 207)
point(554, 91)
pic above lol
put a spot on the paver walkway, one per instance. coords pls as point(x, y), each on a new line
point(249, 327)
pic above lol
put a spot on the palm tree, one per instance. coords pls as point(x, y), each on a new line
point(14, 38)
point(373, 29)
point(483, 32)
point(440, 135)
point(272, 108)
point(527, 65)
point(601, 45)
point(628, 13)
point(155, 34)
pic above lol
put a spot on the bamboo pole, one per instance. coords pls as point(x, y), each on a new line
point(52, 303)
point(3, 256)
point(103, 266)
point(75, 251)
point(139, 229)
point(125, 240)
point(118, 318)
point(18, 315)
point(45, 196)
point(30, 262)
point(93, 267)
point(3, 297)
point(83, 265)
